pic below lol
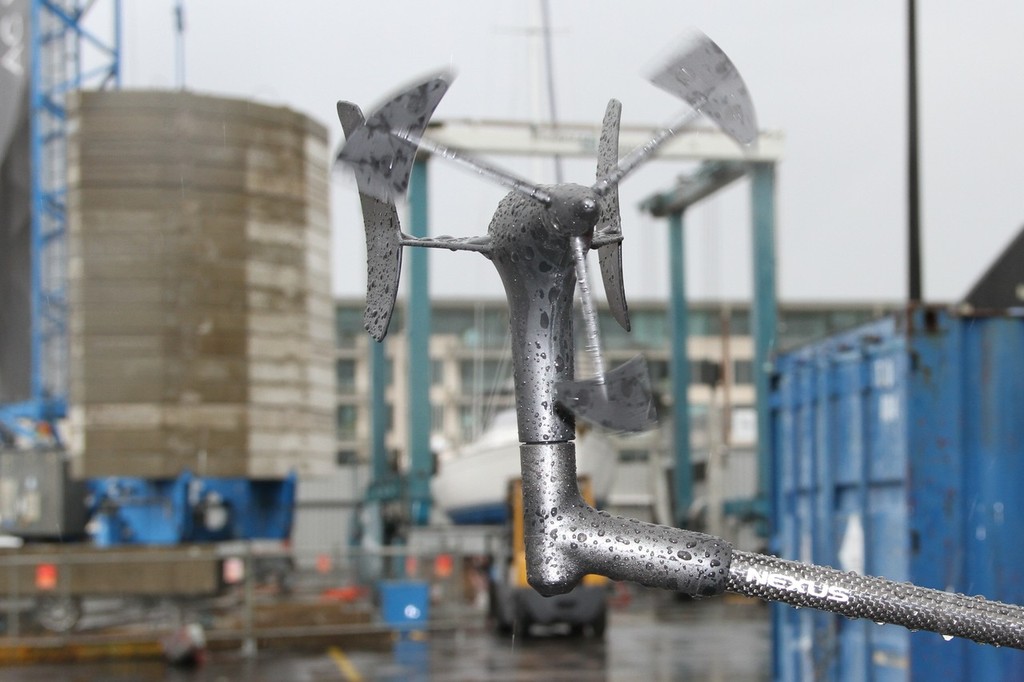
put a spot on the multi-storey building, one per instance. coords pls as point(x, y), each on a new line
point(471, 368)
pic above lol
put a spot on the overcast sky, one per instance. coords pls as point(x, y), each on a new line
point(831, 76)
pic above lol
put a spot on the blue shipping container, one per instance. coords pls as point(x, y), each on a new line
point(898, 451)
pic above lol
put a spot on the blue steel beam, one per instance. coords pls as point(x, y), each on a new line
point(764, 320)
point(378, 411)
point(680, 370)
point(708, 179)
point(418, 337)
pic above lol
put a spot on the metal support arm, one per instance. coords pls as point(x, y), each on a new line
point(877, 599)
point(566, 538)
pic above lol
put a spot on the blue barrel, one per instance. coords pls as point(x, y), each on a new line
point(405, 604)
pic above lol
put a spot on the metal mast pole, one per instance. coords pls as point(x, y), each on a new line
point(914, 293)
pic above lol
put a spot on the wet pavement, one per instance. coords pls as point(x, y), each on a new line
point(654, 638)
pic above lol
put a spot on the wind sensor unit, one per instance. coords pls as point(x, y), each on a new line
point(538, 240)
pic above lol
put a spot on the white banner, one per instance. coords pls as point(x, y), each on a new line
point(14, 68)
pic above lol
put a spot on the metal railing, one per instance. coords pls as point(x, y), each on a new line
point(245, 592)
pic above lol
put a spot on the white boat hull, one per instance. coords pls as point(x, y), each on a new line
point(471, 485)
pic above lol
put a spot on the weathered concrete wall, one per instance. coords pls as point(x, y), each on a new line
point(16, 261)
point(201, 323)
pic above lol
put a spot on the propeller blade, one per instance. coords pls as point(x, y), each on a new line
point(382, 151)
point(383, 240)
point(621, 400)
point(703, 75)
point(610, 255)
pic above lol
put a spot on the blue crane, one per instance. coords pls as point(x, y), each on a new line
point(50, 49)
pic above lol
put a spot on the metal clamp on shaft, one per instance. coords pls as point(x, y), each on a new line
point(566, 538)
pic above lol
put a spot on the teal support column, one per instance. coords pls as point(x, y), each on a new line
point(764, 321)
point(378, 412)
point(418, 334)
point(680, 370)
point(383, 485)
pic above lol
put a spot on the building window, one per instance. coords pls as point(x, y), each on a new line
point(451, 321)
point(345, 370)
point(477, 327)
point(436, 418)
point(704, 322)
point(705, 372)
point(743, 372)
point(472, 422)
point(648, 330)
point(841, 320)
point(659, 372)
point(634, 456)
point(708, 322)
point(346, 421)
point(348, 325)
point(490, 330)
point(739, 323)
point(346, 458)
point(485, 376)
point(796, 327)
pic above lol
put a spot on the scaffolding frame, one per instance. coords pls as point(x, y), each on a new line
point(67, 53)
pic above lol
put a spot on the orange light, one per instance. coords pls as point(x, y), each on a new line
point(443, 565)
point(233, 570)
point(46, 577)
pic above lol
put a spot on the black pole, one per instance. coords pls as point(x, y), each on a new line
point(913, 182)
